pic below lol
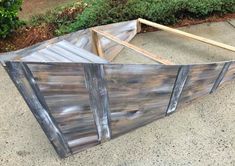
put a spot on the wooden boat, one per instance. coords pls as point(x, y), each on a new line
point(82, 99)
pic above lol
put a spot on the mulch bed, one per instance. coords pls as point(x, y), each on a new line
point(27, 36)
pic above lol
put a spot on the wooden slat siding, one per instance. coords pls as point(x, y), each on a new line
point(82, 40)
point(138, 94)
point(200, 81)
point(125, 31)
point(178, 88)
point(68, 100)
point(220, 77)
point(19, 75)
point(81, 52)
point(99, 101)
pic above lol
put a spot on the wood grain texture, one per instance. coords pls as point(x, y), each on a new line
point(99, 99)
point(132, 95)
point(135, 48)
point(124, 31)
point(81, 104)
point(230, 74)
point(27, 86)
point(220, 77)
point(138, 94)
point(178, 88)
point(200, 81)
point(64, 90)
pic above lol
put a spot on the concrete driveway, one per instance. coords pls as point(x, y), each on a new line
point(202, 133)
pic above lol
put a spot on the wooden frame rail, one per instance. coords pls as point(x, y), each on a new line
point(188, 35)
point(96, 46)
point(130, 46)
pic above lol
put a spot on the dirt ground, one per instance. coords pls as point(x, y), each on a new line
point(33, 7)
point(200, 134)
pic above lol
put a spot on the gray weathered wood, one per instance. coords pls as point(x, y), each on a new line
point(99, 100)
point(26, 84)
point(178, 88)
point(221, 76)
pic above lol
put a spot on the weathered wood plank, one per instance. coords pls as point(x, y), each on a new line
point(220, 77)
point(230, 74)
point(178, 88)
point(99, 101)
point(200, 81)
point(138, 94)
point(124, 96)
point(23, 79)
point(68, 100)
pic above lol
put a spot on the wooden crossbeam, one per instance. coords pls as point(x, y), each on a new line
point(182, 33)
point(135, 48)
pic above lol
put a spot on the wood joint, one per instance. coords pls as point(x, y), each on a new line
point(135, 48)
point(96, 45)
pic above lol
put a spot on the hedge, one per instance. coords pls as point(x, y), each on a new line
point(8, 16)
point(162, 11)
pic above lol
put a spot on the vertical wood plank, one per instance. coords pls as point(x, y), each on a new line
point(26, 84)
point(96, 45)
point(138, 24)
point(99, 101)
point(220, 77)
point(178, 88)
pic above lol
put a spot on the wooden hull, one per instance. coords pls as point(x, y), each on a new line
point(80, 105)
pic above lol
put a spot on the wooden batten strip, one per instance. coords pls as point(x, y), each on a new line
point(26, 84)
point(135, 48)
point(178, 88)
point(99, 99)
point(96, 45)
point(220, 77)
point(182, 33)
point(138, 26)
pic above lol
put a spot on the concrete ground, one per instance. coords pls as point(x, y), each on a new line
point(200, 134)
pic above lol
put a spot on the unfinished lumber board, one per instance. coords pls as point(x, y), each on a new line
point(96, 44)
point(189, 35)
point(125, 31)
point(138, 25)
point(135, 48)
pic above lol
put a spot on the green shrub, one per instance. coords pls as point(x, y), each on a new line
point(162, 11)
point(94, 14)
point(8, 16)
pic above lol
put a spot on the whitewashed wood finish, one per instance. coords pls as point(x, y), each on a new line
point(200, 81)
point(230, 74)
point(131, 95)
point(65, 93)
point(82, 39)
point(138, 95)
point(79, 106)
point(125, 31)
